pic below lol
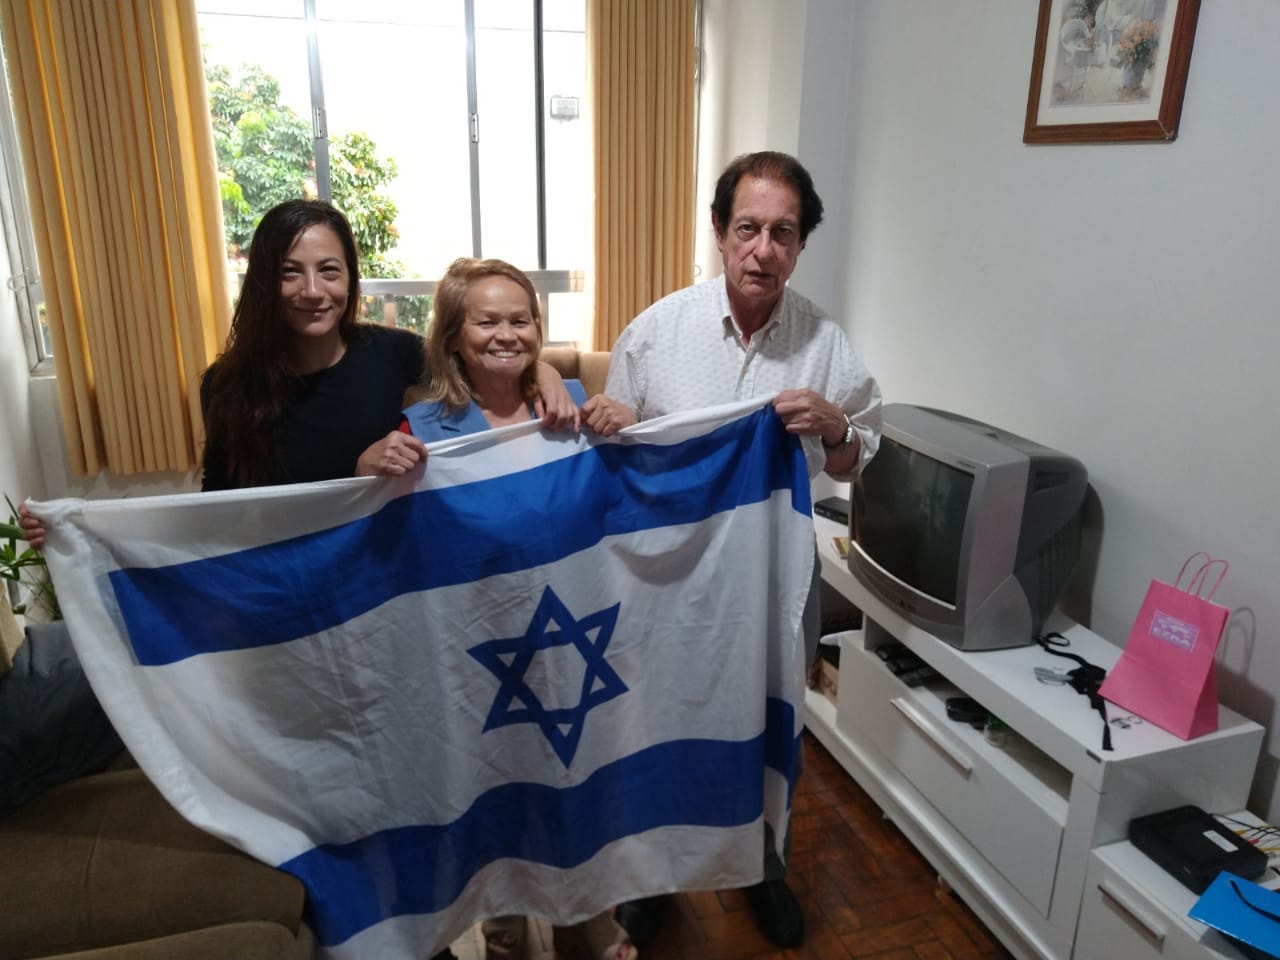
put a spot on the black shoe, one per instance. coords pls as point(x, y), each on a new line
point(445, 954)
point(777, 912)
point(641, 919)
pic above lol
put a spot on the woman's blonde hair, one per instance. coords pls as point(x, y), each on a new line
point(445, 377)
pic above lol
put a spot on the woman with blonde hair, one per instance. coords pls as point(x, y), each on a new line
point(481, 353)
point(482, 347)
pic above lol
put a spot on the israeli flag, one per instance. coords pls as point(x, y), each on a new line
point(544, 675)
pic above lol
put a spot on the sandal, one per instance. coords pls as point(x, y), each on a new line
point(504, 938)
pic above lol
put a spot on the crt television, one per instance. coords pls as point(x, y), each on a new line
point(969, 531)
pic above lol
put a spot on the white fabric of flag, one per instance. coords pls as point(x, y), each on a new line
point(547, 674)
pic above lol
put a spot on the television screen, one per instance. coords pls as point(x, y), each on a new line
point(910, 517)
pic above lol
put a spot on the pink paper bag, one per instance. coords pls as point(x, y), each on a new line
point(1166, 673)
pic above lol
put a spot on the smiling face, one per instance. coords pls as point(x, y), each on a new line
point(759, 245)
point(499, 338)
point(314, 286)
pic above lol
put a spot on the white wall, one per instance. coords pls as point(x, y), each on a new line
point(1114, 301)
point(20, 474)
point(752, 62)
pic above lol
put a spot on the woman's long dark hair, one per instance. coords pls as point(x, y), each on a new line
point(252, 382)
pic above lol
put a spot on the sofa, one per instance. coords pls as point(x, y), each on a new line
point(103, 867)
point(589, 366)
point(100, 867)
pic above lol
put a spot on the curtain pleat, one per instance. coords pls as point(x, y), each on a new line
point(641, 64)
point(113, 119)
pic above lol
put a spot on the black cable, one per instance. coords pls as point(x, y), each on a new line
point(1086, 679)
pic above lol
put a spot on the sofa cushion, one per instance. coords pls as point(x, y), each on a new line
point(104, 860)
point(243, 941)
point(593, 370)
point(589, 366)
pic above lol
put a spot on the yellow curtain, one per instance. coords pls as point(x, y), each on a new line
point(117, 148)
point(641, 62)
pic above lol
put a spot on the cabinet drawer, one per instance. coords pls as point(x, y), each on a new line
point(1119, 919)
point(1009, 823)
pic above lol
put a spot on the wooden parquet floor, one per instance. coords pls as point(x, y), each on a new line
point(866, 893)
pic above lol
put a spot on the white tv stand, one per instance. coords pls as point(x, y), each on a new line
point(1013, 828)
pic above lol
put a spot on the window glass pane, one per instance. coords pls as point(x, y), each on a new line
point(567, 317)
point(395, 95)
point(411, 311)
point(569, 16)
point(42, 320)
point(260, 98)
point(22, 273)
point(567, 146)
point(508, 150)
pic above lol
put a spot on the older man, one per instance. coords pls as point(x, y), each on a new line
point(747, 334)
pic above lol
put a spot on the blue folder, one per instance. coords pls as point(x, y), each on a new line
point(1243, 911)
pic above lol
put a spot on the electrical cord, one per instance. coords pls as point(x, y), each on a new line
point(1253, 833)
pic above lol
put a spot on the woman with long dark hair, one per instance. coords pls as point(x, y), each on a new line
point(304, 391)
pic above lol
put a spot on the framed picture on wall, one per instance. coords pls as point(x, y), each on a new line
point(1108, 71)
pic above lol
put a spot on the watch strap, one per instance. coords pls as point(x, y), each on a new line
point(847, 439)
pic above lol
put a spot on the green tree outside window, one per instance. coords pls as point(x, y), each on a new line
point(265, 155)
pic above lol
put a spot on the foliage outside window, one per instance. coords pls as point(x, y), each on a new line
point(265, 156)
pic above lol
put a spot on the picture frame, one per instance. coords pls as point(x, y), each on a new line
point(1109, 71)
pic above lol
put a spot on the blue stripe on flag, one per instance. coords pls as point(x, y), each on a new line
point(293, 588)
point(423, 869)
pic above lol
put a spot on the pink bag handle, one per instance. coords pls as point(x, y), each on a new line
point(1186, 563)
point(1197, 582)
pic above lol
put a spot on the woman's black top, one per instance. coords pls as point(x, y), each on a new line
point(336, 413)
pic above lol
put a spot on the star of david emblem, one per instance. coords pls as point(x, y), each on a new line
point(509, 660)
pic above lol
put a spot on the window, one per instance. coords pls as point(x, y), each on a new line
point(428, 124)
point(24, 273)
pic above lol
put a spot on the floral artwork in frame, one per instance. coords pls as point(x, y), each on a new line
point(1108, 71)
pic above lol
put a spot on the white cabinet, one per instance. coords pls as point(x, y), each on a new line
point(1133, 911)
point(1012, 828)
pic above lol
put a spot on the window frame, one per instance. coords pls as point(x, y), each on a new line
point(15, 212)
point(545, 283)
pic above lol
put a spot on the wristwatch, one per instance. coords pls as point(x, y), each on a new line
point(847, 439)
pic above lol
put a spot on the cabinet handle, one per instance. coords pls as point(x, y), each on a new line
point(926, 730)
point(1146, 927)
